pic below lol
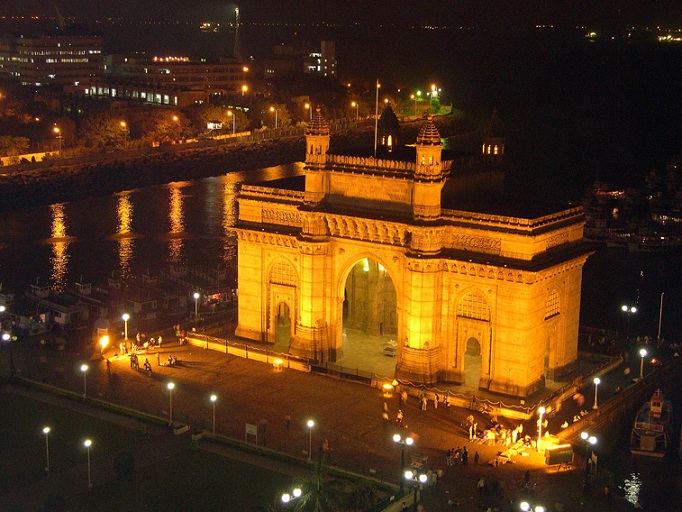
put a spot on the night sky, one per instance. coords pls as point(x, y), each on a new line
point(466, 12)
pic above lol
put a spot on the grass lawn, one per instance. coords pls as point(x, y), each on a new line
point(192, 480)
point(22, 442)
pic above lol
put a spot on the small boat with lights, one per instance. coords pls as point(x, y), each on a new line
point(653, 427)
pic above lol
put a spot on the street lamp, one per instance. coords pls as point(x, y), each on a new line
point(628, 310)
point(526, 507)
point(310, 424)
point(46, 431)
point(58, 133)
point(417, 478)
point(87, 443)
point(244, 89)
point(397, 438)
point(357, 110)
point(596, 381)
point(295, 493)
point(9, 339)
point(275, 110)
point(84, 369)
point(103, 341)
point(590, 441)
point(541, 412)
point(124, 127)
point(170, 387)
point(196, 307)
point(642, 355)
point(234, 118)
point(125, 318)
point(414, 97)
point(213, 401)
point(310, 109)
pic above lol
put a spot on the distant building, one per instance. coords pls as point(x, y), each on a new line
point(305, 59)
point(68, 56)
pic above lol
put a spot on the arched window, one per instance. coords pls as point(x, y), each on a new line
point(473, 305)
point(283, 273)
point(552, 305)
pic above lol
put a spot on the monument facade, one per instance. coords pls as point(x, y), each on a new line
point(367, 244)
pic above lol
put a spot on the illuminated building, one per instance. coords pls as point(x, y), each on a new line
point(69, 56)
point(289, 59)
point(368, 243)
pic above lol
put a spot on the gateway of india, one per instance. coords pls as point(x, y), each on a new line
point(367, 243)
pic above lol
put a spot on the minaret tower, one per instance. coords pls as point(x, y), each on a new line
point(429, 177)
point(317, 144)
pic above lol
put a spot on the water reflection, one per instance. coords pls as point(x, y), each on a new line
point(229, 221)
point(126, 244)
point(60, 255)
point(177, 223)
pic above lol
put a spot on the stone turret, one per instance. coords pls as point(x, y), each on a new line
point(429, 176)
point(317, 144)
point(388, 129)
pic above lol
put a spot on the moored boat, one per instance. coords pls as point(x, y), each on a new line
point(652, 429)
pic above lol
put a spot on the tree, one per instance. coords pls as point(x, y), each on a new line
point(156, 124)
point(100, 130)
point(364, 495)
point(319, 493)
point(13, 146)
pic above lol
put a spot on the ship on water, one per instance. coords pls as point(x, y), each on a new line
point(652, 429)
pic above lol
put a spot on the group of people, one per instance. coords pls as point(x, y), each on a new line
point(135, 363)
point(458, 456)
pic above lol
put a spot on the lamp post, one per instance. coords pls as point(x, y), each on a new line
point(628, 310)
point(84, 369)
point(58, 133)
point(214, 398)
point(244, 89)
point(414, 97)
point(103, 341)
point(590, 441)
point(46, 431)
point(596, 381)
point(276, 111)
point(87, 443)
point(125, 318)
point(124, 127)
point(295, 493)
point(526, 507)
point(310, 110)
point(402, 441)
point(357, 110)
point(642, 355)
point(541, 412)
point(9, 339)
point(310, 424)
point(196, 307)
point(170, 387)
point(417, 478)
point(234, 119)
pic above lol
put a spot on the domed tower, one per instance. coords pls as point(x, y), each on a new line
point(317, 144)
point(493, 136)
point(388, 129)
point(317, 141)
point(429, 176)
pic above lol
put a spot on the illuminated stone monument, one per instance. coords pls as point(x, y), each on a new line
point(367, 242)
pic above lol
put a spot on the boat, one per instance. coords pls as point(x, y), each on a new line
point(652, 429)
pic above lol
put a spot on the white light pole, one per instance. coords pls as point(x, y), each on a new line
point(414, 97)
point(397, 438)
point(296, 493)
point(196, 307)
point(357, 110)
point(125, 318)
point(596, 381)
point(234, 119)
point(311, 424)
point(170, 387)
point(87, 443)
point(541, 412)
point(276, 111)
point(46, 431)
point(84, 369)
point(642, 355)
point(213, 401)
point(590, 441)
point(420, 478)
point(628, 310)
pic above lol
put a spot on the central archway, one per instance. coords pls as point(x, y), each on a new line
point(370, 319)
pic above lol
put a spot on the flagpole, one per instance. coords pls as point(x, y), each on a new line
point(660, 317)
point(376, 119)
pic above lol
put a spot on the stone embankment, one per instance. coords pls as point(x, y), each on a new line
point(78, 180)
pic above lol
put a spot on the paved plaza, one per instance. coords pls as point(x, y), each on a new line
point(348, 419)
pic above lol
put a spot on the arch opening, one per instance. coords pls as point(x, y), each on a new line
point(370, 319)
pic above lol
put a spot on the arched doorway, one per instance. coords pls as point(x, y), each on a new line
point(282, 327)
point(370, 320)
point(473, 362)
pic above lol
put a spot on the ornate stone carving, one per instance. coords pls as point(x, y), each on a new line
point(558, 239)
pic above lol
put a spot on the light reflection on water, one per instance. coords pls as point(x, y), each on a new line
point(136, 231)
